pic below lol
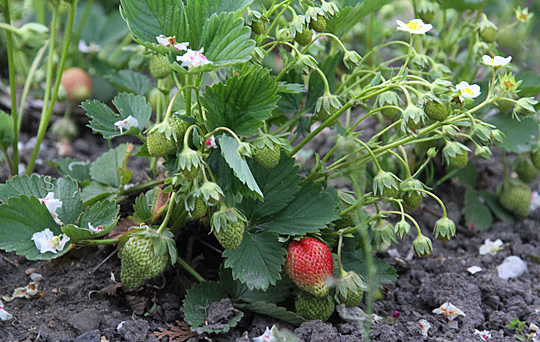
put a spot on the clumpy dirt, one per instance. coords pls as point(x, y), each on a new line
point(71, 307)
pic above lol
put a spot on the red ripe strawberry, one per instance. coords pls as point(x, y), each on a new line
point(309, 263)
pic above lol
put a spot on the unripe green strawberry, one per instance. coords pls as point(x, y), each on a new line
point(350, 219)
point(459, 161)
point(258, 27)
point(350, 289)
point(390, 113)
point(535, 158)
point(179, 127)
point(140, 261)
point(489, 34)
point(352, 300)
point(158, 145)
point(200, 208)
point(267, 157)
point(318, 25)
point(525, 169)
point(311, 307)
point(309, 263)
point(515, 197)
point(435, 110)
point(230, 237)
point(159, 66)
point(412, 199)
point(304, 37)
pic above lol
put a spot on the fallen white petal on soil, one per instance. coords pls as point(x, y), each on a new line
point(484, 334)
point(512, 267)
point(4, 315)
point(474, 269)
point(29, 291)
point(449, 311)
point(490, 247)
point(424, 326)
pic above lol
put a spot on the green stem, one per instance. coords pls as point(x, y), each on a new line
point(325, 81)
point(163, 225)
point(29, 80)
point(432, 195)
point(138, 188)
point(188, 94)
point(371, 153)
point(45, 120)
point(81, 23)
point(288, 3)
point(8, 159)
point(408, 57)
point(190, 269)
point(98, 242)
point(340, 244)
point(12, 89)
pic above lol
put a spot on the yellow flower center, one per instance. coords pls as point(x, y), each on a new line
point(413, 25)
point(468, 91)
point(493, 60)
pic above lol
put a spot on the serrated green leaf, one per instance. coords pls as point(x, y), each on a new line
point(310, 211)
point(17, 227)
point(107, 169)
point(131, 81)
point(467, 176)
point(351, 13)
point(135, 106)
point(291, 88)
point(96, 191)
point(356, 261)
point(520, 135)
point(272, 310)
point(477, 213)
point(198, 300)
point(6, 129)
point(530, 85)
point(104, 214)
point(144, 205)
point(198, 13)
point(258, 260)
point(278, 185)
point(229, 150)
point(64, 189)
point(230, 184)
point(78, 170)
point(240, 292)
point(243, 102)
point(147, 19)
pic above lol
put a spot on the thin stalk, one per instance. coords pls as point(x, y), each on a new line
point(12, 89)
point(408, 57)
point(340, 243)
point(99, 242)
point(190, 269)
point(84, 17)
point(45, 120)
point(163, 225)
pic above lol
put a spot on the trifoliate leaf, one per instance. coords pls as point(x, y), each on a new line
point(78, 170)
point(131, 81)
point(242, 102)
point(257, 262)
point(97, 220)
point(109, 168)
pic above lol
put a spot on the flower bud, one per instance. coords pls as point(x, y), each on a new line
point(351, 59)
point(385, 184)
point(383, 232)
point(402, 228)
point(483, 152)
point(422, 246)
point(283, 35)
point(444, 229)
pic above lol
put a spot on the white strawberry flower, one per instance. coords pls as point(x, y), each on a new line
point(86, 48)
point(51, 203)
point(168, 41)
point(415, 26)
point(193, 58)
point(211, 142)
point(490, 247)
point(93, 229)
point(126, 124)
point(267, 336)
point(468, 91)
point(46, 241)
point(449, 311)
point(496, 61)
point(484, 335)
point(4, 315)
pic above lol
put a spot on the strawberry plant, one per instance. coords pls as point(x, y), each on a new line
point(239, 90)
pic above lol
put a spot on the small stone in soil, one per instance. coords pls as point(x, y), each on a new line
point(512, 267)
point(89, 336)
point(135, 331)
point(86, 320)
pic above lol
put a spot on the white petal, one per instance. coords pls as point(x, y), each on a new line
point(487, 60)
point(4, 315)
point(474, 269)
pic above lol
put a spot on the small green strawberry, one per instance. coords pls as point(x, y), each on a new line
point(258, 27)
point(228, 226)
point(200, 208)
point(515, 197)
point(350, 219)
point(385, 184)
point(158, 145)
point(489, 34)
point(535, 158)
point(525, 169)
point(231, 237)
point(436, 110)
point(267, 157)
point(412, 199)
point(309, 264)
point(422, 246)
point(459, 161)
point(304, 38)
point(318, 25)
point(179, 127)
point(159, 66)
point(455, 154)
point(391, 113)
point(326, 106)
point(144, 256)
point(311, 307)
point(350, 289)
